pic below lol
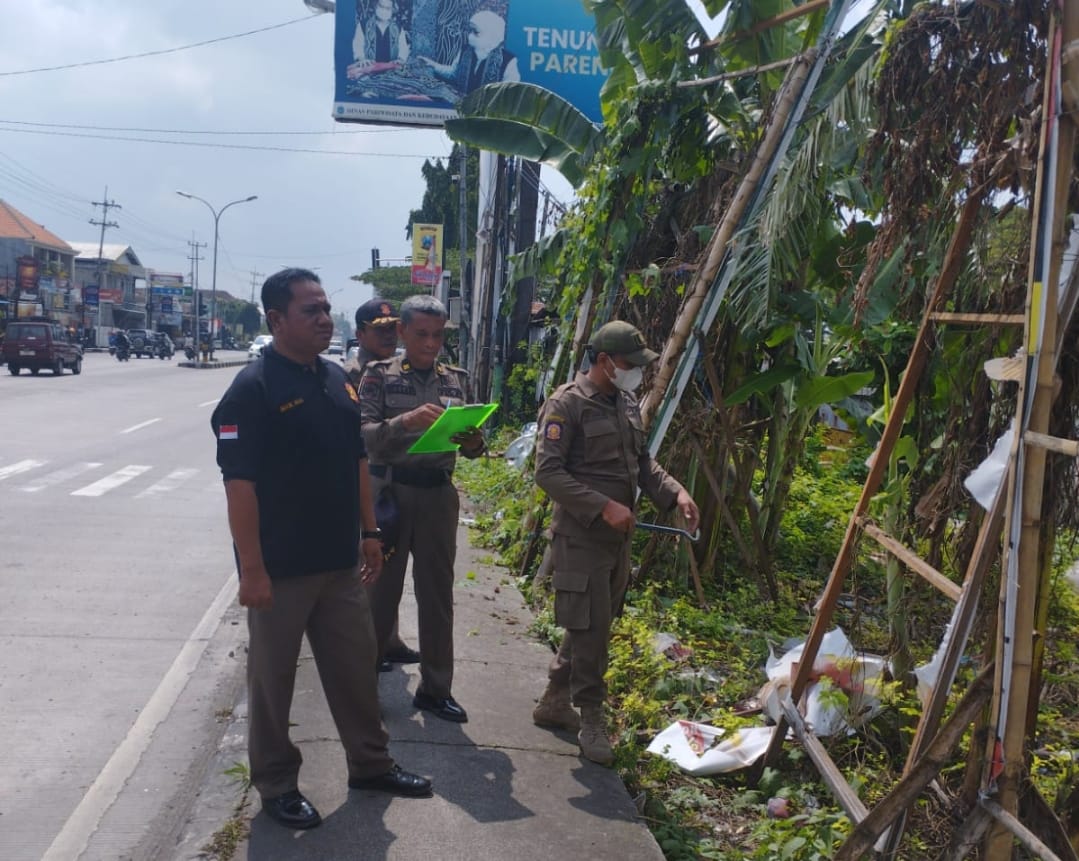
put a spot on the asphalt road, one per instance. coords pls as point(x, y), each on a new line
point(119, 631)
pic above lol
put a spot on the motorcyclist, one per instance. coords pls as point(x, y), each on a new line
point(164, 345)
point(123, 343)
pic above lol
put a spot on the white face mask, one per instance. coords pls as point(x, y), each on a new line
point(627, 381)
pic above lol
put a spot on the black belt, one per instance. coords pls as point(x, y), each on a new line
point(412, 477)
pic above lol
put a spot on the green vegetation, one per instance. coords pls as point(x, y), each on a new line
point(907, 175)
point(720, 667)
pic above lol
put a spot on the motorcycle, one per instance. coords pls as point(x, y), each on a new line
point(122, 353)
point(189, 351)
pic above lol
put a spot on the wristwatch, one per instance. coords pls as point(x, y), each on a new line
point(371, 533)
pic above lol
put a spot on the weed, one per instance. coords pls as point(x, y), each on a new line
point(240, 773)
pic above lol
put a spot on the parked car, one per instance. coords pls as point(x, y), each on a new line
point(255, 350)
point(143, 343)
point(336, 348)
point(38, 342)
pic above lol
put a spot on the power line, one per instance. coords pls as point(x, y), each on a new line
point(155, 53)
point(54, 133)
point(334, 131)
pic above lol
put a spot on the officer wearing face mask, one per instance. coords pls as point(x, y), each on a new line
point(591, 456)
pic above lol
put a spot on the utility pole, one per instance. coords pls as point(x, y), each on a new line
point(254, 283)
point(195, 258)
point(105, 205)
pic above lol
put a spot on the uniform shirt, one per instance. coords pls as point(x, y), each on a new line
point(295, 432)
point(392, 387)
point(591, 447)
point(354, 367)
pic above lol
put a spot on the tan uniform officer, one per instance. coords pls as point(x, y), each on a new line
point(376, 333)
point(400, 398)
point(591, 456)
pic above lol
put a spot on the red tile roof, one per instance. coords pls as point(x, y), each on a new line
point(15, 225)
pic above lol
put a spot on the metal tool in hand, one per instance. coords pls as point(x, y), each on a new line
point(655, 527)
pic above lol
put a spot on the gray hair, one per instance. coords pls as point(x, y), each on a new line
point(422, 304)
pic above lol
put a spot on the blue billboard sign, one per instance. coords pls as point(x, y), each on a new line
point(167, 291)
point(90, 295)
point(410, 62)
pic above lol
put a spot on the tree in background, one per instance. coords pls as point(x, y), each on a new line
point(441, 201)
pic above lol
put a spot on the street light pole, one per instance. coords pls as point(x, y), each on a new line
point(217, 213)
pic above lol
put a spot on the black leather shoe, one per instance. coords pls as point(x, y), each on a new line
point(292, 810)
point(396, 781)
point(446, 708)
point(385, 665)
point(403, 655)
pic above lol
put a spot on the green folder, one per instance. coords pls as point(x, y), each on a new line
point(452, 421)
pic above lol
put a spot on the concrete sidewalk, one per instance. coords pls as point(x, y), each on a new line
point(504, 788)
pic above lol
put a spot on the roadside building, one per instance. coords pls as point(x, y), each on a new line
point(36, 269)
point(120, 298)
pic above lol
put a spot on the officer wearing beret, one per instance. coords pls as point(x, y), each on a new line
point(303, 527)
point(400, 398)
point(376, 332)
point(591, 457)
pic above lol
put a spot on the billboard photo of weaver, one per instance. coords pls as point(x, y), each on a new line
point(410, 62)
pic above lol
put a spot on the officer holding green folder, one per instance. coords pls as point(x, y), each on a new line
point(400, 399)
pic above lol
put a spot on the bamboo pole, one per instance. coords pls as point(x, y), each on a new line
point(1041, 335)
point(909, 558)
point(717, 246)
point(1015, 828)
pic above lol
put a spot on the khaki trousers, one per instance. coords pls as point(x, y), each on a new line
point(590, 580)
point(333, 610)
point(428, 532)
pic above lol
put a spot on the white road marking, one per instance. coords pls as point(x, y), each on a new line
point(140, 426)
point(73, 838)
point(59, 476)
point(109, 482)
point(209, 403)
point(170, 482)
point(21, 466)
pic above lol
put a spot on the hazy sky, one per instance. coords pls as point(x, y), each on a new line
point(315, 209)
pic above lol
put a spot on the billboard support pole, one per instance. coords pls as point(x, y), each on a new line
point(462, 245)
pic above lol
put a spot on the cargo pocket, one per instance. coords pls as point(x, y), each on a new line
point(572, 598)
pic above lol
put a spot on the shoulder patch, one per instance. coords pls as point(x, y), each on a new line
point(352, 392)
point(552, 430)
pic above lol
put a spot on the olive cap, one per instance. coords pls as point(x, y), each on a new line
point(619, 338)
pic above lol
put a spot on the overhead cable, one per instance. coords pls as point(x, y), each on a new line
point(158, 53)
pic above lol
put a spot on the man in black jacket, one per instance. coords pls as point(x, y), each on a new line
point(300, 512)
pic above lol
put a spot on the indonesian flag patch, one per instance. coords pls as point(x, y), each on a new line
point(228, 432)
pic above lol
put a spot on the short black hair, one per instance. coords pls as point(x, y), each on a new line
point(277, 289)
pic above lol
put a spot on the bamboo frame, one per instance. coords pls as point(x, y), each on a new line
point(909, 558)
point(904, 793)
point(916, 363)
point(979, 319)
point(1019, 831)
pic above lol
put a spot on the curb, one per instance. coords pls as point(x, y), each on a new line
point(202, 366)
